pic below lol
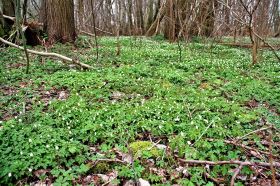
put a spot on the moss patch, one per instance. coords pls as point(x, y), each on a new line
point(140, 148)
point(101, 168)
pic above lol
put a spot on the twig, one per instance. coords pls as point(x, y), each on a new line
point(235, 174)
point(111, 160)
point(154, 144)
point(109, 181)
point(241, 145)
point(231, 162)
point(203, 132)
point(253, 132)
point(55, 55)
point(87, 33)
point(216, 180)
point(9, 17)
point(271, 160)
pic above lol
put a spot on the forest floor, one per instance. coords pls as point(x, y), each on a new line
point(141, 114)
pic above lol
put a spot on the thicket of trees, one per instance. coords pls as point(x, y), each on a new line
point(173, 18)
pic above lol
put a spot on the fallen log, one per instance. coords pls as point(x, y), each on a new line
point(54, 55)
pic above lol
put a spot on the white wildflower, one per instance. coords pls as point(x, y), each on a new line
point(30, 140)
point(189, 143)
point(10, 174)
point(21, 153)
point(48, 146)
point(31, 154)
point(20, 120)
point(56, 148)
point(30, 170)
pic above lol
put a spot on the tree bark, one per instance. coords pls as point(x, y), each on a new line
point(8, 10)
point(276, 18)
point(170, 21)
point(59, 22)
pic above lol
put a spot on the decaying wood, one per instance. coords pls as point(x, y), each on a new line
point(54, 55)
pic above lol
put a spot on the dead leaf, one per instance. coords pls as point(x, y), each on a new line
point(143, 182)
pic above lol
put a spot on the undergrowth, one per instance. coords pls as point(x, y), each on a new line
point(58, 120)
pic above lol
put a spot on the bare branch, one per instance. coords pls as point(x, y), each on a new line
point(55, 55)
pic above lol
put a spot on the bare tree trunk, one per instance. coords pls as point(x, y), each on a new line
point(170, 21)
point(9, 10)
point(81, 14)
point(118, 51)
point(60, 23)
point(276, 18)
point(150, 19)
point(139, 17)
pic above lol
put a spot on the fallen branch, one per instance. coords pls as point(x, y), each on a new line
point(232, 162)
point(236, 143)
point(55, 55)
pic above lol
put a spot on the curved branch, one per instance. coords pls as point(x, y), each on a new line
point(55, 55)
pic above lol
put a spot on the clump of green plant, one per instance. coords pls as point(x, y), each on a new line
point(144, 149)
point(100, 168)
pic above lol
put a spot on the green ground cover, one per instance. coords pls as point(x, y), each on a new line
point(58, 121)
